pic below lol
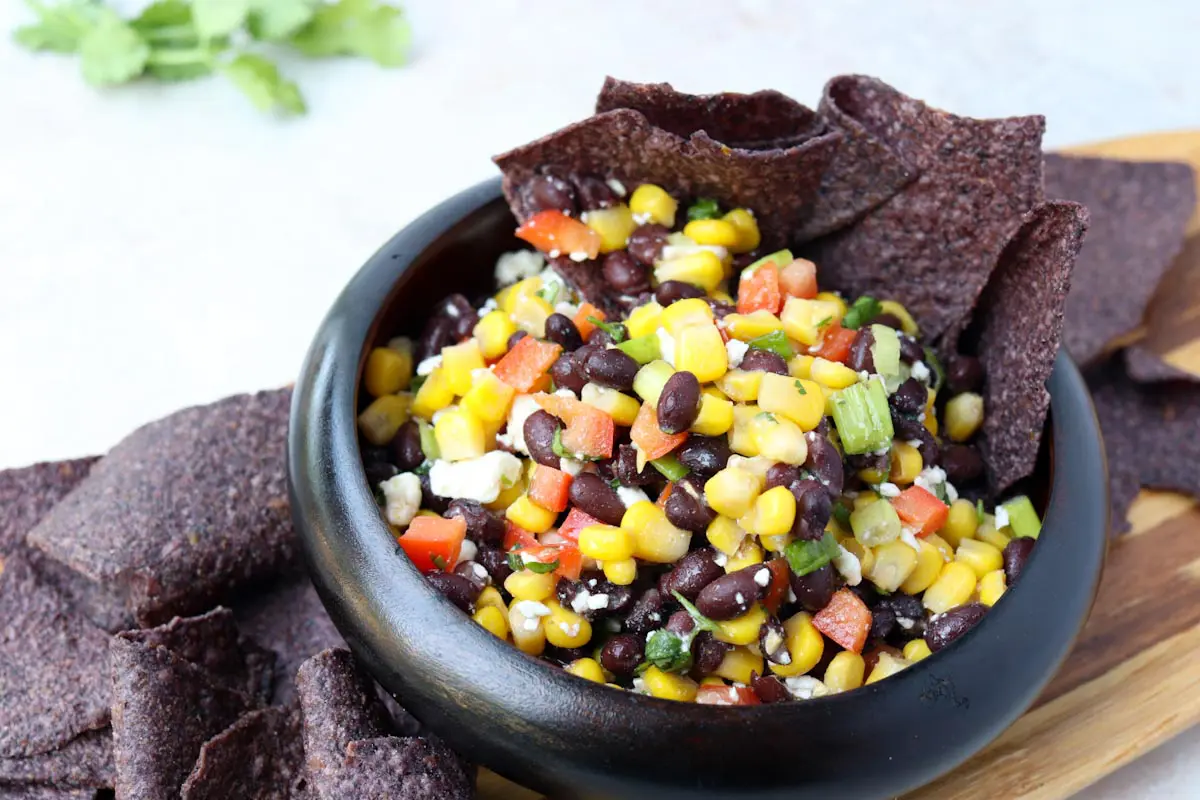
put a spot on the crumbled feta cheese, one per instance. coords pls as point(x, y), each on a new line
point(920, 371)
point(639, 685)
point(480, 479)
point(930, 478)
point(429, 365)
point(1001, 516)
point(905, 623)
point(763, 577)
point(569, 630)
point(642, 218)
point(617, 187)
point(523, 407)
point(579, 256)
point(488, 305)
point(531, 608)
point(846, 563)
point(467, 552)
point(666, 346)
point(566, 309)
point(806, 687)
point(518, 265)
point(889, 490)
point(906, 536)
point(736, 351)
point(597, 601)
point(951, 492)
point(530, 625)
point(579, 603)
point(631, 494)
point(720, 559)
point(570, 466)
point(402, 498)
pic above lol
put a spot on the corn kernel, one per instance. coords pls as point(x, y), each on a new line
point(748, 554)
point(655, 538)
point(745, 327)
point(507, 496)
point(724, 534)
point(527, 632)
point(732, 491)
point(507, 298)
point(864, 554)
point(845, 672)
point(530, 585)
point(805, 320)
point(715, 416)
point(700, 350)
point(953, 587)
point(886, 666)
point(741, 386)
point(916, 650)
point(776, 543)
point(801, 366)
point(964, 415)
point(587, 668)
point(460, 435)
point(773, 513)
point(490, 596)
point(778, 438)
point(987, 532)
point(871, 475)
point(801, 401)
point(737, 665)
point(493, 332)
point(614, 225)
point(621, 407)
point(530, 315)
point(644, 320)
point(712, 233)
point(493, 620)
point(930, 421)
point(907, 323)
point(805, 646)
point(622, 573)
point(836, 301)
point(712, 680)
point(529, 515)
point(606, 543)
point(379, 421)
point(979, 556)
point(906, 463)
point(749, 237)
point(895, 561)
point(929, 565)
point(831, 374)
point(943, 547)
point(702, 268)
point(651, 203)
point(685, 313)
point(565, 628)
point(961, 522)
point(435, 394)
point(991, 587)
point(743, 629)
point(489, 398)
point(386, 372)
point(864, 499)
point(459, 361)
point(669, 686)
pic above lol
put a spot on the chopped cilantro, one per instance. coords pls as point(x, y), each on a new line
point(703, 623)
point(805, 556)
point(979, 512)
point(668, 651)
point(516, 563)
point(417, 382)
point(703, 208)
point(824, 322)
point(615, 330)
point(841, 513)
point(863, 310)
point(800, 386)
point(767, 415)
point(549, 292)
point(424, 467)
point(774, 342)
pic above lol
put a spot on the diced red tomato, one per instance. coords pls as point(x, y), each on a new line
point(527, 363)
point(799, 279)
point(581, 319)
point(920, 510)
point(433, 543)
point(835, 344)
point(661, 502)
point(549, 488)
point(759, 291)
point(846, 620)
point(777, 589)
point(589, 431)
point(575, 522)
point(649, 438)
point(570, 563)
point(551, 231)
point(516, 535)
point(712, 695)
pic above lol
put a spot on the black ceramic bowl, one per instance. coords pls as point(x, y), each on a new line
point(571, 738)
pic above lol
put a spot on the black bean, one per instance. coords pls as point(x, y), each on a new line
point(483, 527)
point(680, 623)
point(861, 357)
point(620, 598)
point(814, 590)
point(964, 374)
point(459, 309)
point(720, 308)
point(730, 595)
point(883, 621)
point(625, 468)
point(474, 572)
point(591, 495)
point(910, 350)
point(539, 430)
point(669, 292)
point(686, 507)
point(646, 614)
point(624, 273)
point(561, 330)
point(1016, 553)
point(962, 463)
point(379, 472)
point(708, 653)
point(757, 360)
point(456, 588)
point(566, 590)
point(772, 641)
point(945, 628)
point(549, 193)
point(908, 610)
point(705, 455)
point(910, 429)
point(782, 475)
point(824, 462)
point(691, 574)
point(889, 319)
point(769, 689)
point(909, 398)
point(679, 402)
point(516, 337)
point(566, 374)
point(438, 333)
point(813, 509)
point(406, 447)
point(622, 653)
point(866, 592)
point(565, 655)
point(594, 193)
point(611, 368)
point(646, 243)
point(495, 561)
point(435, 503)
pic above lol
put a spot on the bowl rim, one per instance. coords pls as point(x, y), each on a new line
point(350, 551)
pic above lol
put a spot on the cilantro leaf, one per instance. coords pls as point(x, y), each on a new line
point(424, 467)
point(364, 28)
point(170, 64)
point(615, 330)
point(668, 651)
point(60, 28)
point(163, 14)
point(703, 208)
point(703, 623)
point(841, 513)
point(805, 556)
point(541, 567)
point(259, 80)
point(862, 311)
point(774, 342)
point(276, 20)
point(112, 52)
point(800, 386)
point(979, 512)
point(219, 17)
point(515, 562)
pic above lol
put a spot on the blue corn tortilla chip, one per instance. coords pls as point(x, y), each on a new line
point(259, 757)
point(412, 768)
point(27, 493)
point(1170, 320)
point(179, 514)
point(85, 762)
point(47, 793)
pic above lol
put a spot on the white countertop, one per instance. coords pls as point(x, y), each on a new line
point(164, 246)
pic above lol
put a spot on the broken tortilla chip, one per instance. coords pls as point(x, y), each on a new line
point(413, 768)
point(27, 493)
point(339, 706)
point(85, 762)
point(259, 757)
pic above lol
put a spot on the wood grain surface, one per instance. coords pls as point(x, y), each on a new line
point(1131, 683)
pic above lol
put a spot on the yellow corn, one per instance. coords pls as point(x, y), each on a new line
point(379, 421)
point(740, 439)
point(460, 435)
point(492, 332)
point(773, 513)
point(489, 398)
point(459, 361)
point(685, 313)
point(490, 596)
point(801, 366)
point(613, 224)
point(741, 386)
point(871, 475)
point(655, 538)
point(961, 522)
point(622, 573)
point(906, 463)
point(530, 314)
point(606, 543)
point(701, 268)
point(435, 394)
point(979, 556)
point(964, 415)
point(404, 346)
point(715, 416)
point(749, 553)
point(745, 327)
point(837, 303)
point(507, 298)
point(386, 372)
point(907, 323)
point(732, 491)
point(725, 535)
point(806, 320)
point(493, 620)
point(886, 666)
point(953, 587)
point(991, 587)
point(700, 350)
point(621, 407)
point(987, 532)
point(644, 320)
point(864, 554)
point(777, 438)
point(831, 374)
point(916, 650)
point(864, 499)
point(565, 628)
point(712, 680)
point(775, 544)
point(529, 585)
point(721, 294)
point(743, 629)
point(931, 420)
point(738, 664)
point(529, 515)
point(746, 226)
point(712, 232)
point(805, 645)
point(651, 203)
point(943, 547)
point(528, 633)
point(929, 565)
point(895, 561)
point(669, 686)
point(507, 496)
point(845, 672)
point(587, 668)
point(801, 401)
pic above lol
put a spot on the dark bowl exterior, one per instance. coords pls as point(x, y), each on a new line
point(571, 738)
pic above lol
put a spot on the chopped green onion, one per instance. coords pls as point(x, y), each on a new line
point(643, 349)
point(774, 342)
point(862, 417)
point(703, 623)
point(1022, 517)
point(615, 330)
point(886, 351)
point(703, 208)
point(863, 310)
point(670, 467)
point(429, 445)
point(805, 556)
point(875, 523)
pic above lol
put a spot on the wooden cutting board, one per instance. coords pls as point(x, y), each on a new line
point(1132, 681)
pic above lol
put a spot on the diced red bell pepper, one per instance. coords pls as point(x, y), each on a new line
point(835, 344)
point(527, 363)
point(846, 620)
point(759, 291)
point(581, 319)
point(588, 432)
point(799, 279)
point(570, 563)
point(649, 438)
point(433, 543)
point(555, 232)
point(777, 589)
point(575, 522)
point(712, 695)
point(920, 510)
point(516, 535)
point(549, 488)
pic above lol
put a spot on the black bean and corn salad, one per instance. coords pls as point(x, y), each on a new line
point(744, 491)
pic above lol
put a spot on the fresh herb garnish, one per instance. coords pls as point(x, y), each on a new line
point(423, 468)
point(549, 292)
point(516, 563)
point(614, 483)
point(979, 512)
point(800, 386)
point(862, 311)
point(417, 382)
point(703, 623)
point(842, 514)
point(804, 556)
point(935, 363)
point(668, 651)
point(774, 342)
point(615, 330)
point(703, 208)
point(767, 415)
point(438, 561)
point(824, 322)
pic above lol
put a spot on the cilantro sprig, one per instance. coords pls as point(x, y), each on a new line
point(181, 40)
point(615, 330)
